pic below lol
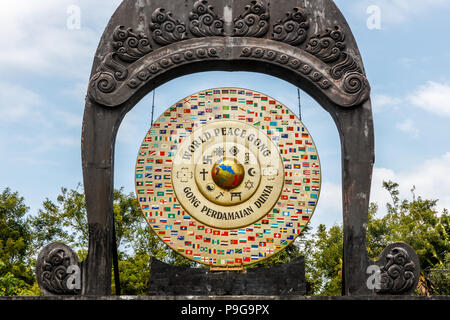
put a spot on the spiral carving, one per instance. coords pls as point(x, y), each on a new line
point(104, 82)
point(165, 28)
point(354, 82)
point(254, 22)
point(293, 29)
point(168, 62)
point(204, 22)
point(130, 46)
point(398, 274)
point(327, 46)
point(52, 269)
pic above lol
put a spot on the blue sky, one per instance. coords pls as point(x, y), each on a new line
point(45, 66)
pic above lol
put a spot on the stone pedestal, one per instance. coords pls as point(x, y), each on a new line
point(281, 280)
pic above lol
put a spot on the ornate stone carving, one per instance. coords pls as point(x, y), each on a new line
point(284, 59)
point(160, 65)
point(398, 274)
point(128, 47)
point(55, 268)
point(165, 28)
point(115, 83)
point(329, 47)
point(254, 22)
point(204, 22)
point(293, 29)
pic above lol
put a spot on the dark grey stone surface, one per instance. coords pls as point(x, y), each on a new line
point(325, 63)
point(281, 280)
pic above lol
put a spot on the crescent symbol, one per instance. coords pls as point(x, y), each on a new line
point(251, 172)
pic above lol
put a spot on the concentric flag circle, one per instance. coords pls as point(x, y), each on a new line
point(228, 177)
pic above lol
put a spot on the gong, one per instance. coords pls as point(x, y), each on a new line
point(228, 176)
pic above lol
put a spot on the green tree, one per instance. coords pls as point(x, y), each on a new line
point(325, 266)
point(66, 220)
point(16, 275)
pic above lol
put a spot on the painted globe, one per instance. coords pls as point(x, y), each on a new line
point(228, 173)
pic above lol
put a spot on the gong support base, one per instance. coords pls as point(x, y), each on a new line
point(281, 280)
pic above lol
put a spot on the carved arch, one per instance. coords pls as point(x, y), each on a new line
point(149, 42)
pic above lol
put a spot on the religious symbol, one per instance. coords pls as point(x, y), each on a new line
point(207, 160)
point(184, 175)
point(236, 195)
point(219, 152)
point(204, 173)
point(249, 185)
point(234, 151)
point(271, 172)
point(220, 195)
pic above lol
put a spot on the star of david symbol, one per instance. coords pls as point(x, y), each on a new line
point(249, 185)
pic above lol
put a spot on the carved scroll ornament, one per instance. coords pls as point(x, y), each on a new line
point(165, 28)
point(254, 22)
point(204, 22)
point(57, 267)
point(338, 67)
point(398, 274)
point(293, 29)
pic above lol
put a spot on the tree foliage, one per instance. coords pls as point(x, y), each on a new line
point(16, 276)
point(22, 236)
point(415, 222)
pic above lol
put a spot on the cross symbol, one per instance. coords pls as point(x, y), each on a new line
point(204, 173)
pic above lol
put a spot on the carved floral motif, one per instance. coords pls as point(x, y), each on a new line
point(293, 29)
point(204, 22)
point(254, 22)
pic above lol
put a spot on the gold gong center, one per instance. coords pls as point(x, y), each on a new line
point(228, 173)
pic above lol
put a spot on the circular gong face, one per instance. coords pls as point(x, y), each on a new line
point(228, 177)
point(227, 174)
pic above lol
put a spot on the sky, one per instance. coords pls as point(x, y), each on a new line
point(45, 63)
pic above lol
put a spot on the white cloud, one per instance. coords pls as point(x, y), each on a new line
point(18, 103)
point(394, 12)
point(382, 102)
point(433, 97)
point(40, 41)
point(70, 119)
point(329, 207)
point(409, 126)
point(431, 179)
